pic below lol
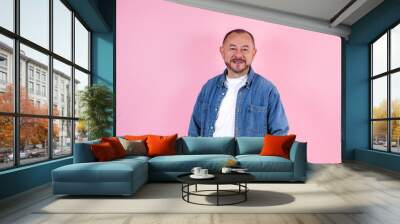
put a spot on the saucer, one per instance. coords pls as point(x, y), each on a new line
point(208, 176)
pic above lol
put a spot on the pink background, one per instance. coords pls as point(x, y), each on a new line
point(167, 51)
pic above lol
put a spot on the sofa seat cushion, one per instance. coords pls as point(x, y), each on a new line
point(185, 163)
point(111, 171)
point(257, 163)
point(133, 158)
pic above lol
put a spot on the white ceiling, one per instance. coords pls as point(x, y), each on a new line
point(326, 16)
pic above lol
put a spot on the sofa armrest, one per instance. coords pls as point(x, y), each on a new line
point(83, 152)
point(298, 155)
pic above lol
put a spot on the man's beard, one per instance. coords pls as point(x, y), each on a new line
point(228, 64)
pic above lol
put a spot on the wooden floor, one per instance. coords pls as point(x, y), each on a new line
point(377, 188)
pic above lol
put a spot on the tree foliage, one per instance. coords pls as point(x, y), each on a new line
point(380, 127)
point(33, 131)
point(96, 102)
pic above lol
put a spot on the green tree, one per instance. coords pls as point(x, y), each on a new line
point(97, 104)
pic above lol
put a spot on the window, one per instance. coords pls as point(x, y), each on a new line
point(45, 120)
point(385, 91)
point(30, 72)
point(81, 81)
point(3, 61)
point(44, 91)
point(3, 78)
point(30, 87)
point(62, 74)
point(3, 72)
point(62, 29)
point(35, 21)
point(81, 45)
point(7, 14)
point(6, 74)
point(37, 89)
point(38, 74)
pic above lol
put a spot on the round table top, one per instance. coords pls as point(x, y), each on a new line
point(220, 178)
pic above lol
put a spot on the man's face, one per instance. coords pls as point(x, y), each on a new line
point(238, 52)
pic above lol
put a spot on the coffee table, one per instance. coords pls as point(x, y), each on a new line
point(238, 179)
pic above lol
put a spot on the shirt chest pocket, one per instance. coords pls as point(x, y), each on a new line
point(257, 119)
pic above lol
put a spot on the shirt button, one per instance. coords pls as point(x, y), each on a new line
point(223, 94)
point(216, 109)
point(211, 127)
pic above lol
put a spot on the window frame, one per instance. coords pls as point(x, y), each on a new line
point(388, 74)
point(16, 115)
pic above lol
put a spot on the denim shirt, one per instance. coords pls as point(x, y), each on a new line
point(259, 110)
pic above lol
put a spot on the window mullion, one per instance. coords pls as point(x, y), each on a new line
point(73, 82)
point(50, 79)
point(16, 84)
point(389, 113)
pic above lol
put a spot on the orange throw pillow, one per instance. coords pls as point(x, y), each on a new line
point(161, 145)
point(277, 145)
point(135, 138)
point(103, 151)
point(116, 145)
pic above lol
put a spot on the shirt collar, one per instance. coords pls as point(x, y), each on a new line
point(250, 77)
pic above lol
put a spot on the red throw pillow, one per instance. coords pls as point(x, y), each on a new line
point(103, 151)
point(161, 145)
point(135, 137)
point(116, 145)
point(277, 145)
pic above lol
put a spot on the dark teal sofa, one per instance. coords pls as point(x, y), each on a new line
point(125, 176)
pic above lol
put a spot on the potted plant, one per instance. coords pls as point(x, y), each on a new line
point(96, 102)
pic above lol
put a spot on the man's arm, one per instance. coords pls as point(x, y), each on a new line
point(195, 122)
point(276, 117)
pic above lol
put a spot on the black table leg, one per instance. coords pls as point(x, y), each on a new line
point(188, 190)
point(217, 194)
point(245, 193)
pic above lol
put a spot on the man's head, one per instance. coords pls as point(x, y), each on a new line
point(237, 51)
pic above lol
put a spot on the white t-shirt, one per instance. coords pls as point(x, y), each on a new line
point(225, 123)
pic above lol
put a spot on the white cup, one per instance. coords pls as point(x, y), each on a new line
point(196, 171)
point(226, 170)
point(203, 172)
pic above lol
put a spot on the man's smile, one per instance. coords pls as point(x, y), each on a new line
point(238, 61)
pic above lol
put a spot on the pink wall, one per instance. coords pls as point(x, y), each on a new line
point(167, 51)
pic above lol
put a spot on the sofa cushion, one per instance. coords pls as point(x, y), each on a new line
point(161, 145)
point(257, 163)
point(277, 145)
point(249, 145)
point(185, 163)
point(111, 171)
point(134, 147)
point(116, 145)
point(207, 145)
point(103, 152)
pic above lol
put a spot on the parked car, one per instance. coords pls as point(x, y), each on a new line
point(22, 155)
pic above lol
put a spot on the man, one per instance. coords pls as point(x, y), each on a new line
point(238, 102)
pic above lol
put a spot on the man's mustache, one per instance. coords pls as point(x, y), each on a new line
point(238, 60)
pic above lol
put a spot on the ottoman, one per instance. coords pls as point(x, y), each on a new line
point(118, 177)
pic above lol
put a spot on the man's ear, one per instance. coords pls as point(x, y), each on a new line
point(221, 51)
point(255, 52)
